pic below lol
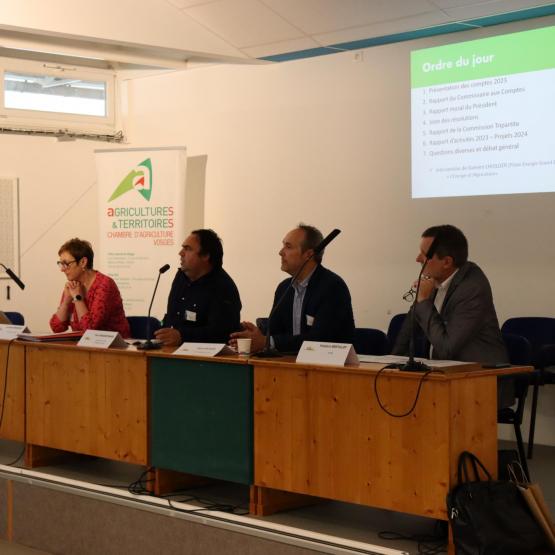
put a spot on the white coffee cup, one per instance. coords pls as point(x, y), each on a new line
point(244, 346)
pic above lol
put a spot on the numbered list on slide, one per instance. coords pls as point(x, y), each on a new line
point(483, 116)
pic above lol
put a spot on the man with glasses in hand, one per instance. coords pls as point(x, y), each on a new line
point(454, 309)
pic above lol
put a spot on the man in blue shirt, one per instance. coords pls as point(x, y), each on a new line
point(318, 305)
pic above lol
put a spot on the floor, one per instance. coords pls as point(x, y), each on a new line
point(338, 519)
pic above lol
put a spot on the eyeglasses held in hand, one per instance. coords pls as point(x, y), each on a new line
point(409, 295)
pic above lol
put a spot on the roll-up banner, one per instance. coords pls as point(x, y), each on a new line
point(141, 221)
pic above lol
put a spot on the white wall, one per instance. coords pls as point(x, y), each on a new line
point(327, 141)
point(324, 140)
point(57, 196)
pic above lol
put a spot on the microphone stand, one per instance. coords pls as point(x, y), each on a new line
point(413, 365)
point(268, 352)
point(20, 284)
point(148, 345)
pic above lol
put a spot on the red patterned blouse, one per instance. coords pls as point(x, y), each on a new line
point(105, 313)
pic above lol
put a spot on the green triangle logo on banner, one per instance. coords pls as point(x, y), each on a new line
point(139, 178)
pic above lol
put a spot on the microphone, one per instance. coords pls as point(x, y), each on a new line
point(13, 276)
point(433, 247)
point(148, 345)
point(413, 365)
point(268, 352)
point(326, 241)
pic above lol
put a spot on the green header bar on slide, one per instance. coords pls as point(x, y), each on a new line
point(477, 59)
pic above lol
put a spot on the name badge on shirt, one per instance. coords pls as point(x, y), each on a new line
point(309, 320)
point(190, 316)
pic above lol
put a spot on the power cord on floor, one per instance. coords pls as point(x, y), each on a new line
point(139, 487)
point(428, 544)
point(21, 453)
point(208, 505)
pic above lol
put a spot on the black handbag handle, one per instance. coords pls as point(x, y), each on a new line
point(462, 471)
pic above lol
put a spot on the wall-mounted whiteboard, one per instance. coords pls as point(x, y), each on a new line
point(9, 225)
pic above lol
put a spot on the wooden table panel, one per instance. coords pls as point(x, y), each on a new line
point(13, 419)
point(87, 401)
point(322, 433)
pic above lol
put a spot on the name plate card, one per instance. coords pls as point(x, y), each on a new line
point(204, 349)
point(329, 354)
point(11, 331)
point(102, 340)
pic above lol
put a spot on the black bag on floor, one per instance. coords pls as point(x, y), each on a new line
point(490, 517)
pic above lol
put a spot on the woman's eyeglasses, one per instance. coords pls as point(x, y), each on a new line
point(65, 265)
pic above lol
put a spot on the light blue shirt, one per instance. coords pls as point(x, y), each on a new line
point(300, 291)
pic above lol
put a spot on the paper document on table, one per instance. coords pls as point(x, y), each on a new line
point(204, 349)
point(49, 337)
point(396, 359)
point(10, 331)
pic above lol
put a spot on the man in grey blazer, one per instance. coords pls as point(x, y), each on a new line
point(454, 308)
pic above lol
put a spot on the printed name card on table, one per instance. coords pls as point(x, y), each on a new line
point(102, 340)
point(11, 331)
point(204, 349)
point(331, 354)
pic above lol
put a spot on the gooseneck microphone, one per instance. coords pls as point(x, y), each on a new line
point(148, 345)
point(268, 352)
point(326, 241)
point(413, 365)
point(13, 276)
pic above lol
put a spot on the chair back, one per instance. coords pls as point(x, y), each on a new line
point(370, 341)
point(394, 328)
point(262, 325)
point(539, 331)
point(15, 318)
point(519, 349)
point(138, 325)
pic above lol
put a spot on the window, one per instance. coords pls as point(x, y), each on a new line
point(46, 93)
point(36, 94)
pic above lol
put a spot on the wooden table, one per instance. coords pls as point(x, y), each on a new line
point(319, 431)
point(12, 425)
point(87, 401)
point(315, 430)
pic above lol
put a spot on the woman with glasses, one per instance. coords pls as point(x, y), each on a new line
point(90, 300)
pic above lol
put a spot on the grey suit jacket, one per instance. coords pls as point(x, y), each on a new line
point(466, 328)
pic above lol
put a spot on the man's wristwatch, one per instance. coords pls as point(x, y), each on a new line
point(77, 298)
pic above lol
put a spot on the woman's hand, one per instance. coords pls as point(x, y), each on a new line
point(75, 288)
point(67, 297)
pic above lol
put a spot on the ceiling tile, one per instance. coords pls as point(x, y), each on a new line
point(493, 8)
point(457, 3)
point(243, 23)
point(281, 47)
point(322, 16)
point(383, 29)
point(181, 4)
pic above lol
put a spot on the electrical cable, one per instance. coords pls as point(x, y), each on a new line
point(6, 380)
point(21, 453)
point(401, 415)
point(428, 544)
